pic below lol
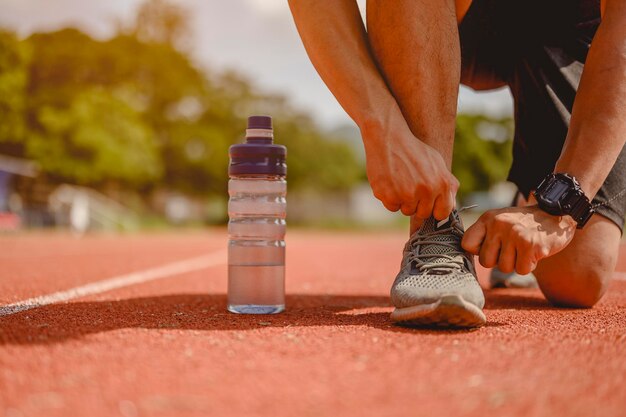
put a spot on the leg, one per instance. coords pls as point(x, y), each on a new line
point(416, 46)
point(579, 275)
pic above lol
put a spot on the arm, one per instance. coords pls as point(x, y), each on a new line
point(597, 130)
point(595, 138)
point(337, 44)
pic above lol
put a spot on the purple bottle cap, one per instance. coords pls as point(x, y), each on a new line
point(260, 122)
point(258, 155)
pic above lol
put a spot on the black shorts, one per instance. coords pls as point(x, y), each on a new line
point(538, 48)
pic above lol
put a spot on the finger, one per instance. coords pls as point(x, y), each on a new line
point(391, 206)
point(507, 258)
point(525, 262)
point(474, 237)
point(489, 251)
point(424, 208)
point(444, 204)
point(408, 209)
point(454, 185)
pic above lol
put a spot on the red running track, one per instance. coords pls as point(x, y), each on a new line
point(167, 347)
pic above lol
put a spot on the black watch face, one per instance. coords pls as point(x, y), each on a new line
point(555, 191)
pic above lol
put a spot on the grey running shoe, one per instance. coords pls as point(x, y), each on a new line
point(437, 282)
point(499, 279)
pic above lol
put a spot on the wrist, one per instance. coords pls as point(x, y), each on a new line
point(384, 117)
point(587, 183)
point(564, 221)
point(381, 131)
point(568, 221)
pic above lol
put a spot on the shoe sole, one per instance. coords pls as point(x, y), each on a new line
point(448, 311)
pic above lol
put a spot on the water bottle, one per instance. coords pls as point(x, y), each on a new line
point(256, 227)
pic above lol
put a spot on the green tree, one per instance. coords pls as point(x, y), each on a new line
point(135, 110)
point(478, 161)
point(13, 78)
point(160, 21)
point(315, 161)
point(98, 138)
point(69, 75)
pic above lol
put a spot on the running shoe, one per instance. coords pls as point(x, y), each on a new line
point(437, 284)
point(499, 279)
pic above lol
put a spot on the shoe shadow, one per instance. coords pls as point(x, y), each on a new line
point(57, 323)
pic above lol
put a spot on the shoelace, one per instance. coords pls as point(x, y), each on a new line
point(424, 261)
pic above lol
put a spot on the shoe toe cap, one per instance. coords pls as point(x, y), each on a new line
point(412, 291)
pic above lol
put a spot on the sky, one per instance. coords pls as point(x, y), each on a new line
point(257, 38)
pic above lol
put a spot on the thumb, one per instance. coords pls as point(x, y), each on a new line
point(474, 237)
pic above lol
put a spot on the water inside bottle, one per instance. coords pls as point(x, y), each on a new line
point(256, 276)
point(256, 289)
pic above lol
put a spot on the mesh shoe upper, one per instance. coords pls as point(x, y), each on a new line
point(435, 265)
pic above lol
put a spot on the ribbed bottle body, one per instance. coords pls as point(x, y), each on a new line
point(256, 249)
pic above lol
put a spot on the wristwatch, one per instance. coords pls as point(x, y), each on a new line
point(560, 194)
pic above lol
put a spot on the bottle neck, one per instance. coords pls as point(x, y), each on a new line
point(260, 136)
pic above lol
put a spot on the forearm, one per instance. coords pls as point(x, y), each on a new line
point(336, 42)
point(597, 130)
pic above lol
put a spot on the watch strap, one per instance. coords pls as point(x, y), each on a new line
point(581, 211)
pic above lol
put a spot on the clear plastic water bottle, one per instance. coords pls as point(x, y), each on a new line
point(257, 209)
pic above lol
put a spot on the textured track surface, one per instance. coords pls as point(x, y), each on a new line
point(169, 348)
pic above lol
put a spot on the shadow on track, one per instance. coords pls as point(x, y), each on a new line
point(517, 299)
point(60, 322)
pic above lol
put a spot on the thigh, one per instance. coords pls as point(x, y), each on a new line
point(544, 79)
point(485, 57)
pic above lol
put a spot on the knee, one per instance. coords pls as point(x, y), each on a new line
point(579, 275)
point(577, 284)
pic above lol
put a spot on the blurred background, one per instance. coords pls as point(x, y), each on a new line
point(118, 115)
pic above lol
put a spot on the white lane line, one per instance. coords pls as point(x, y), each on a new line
point(619, 276)
point(164, 271)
